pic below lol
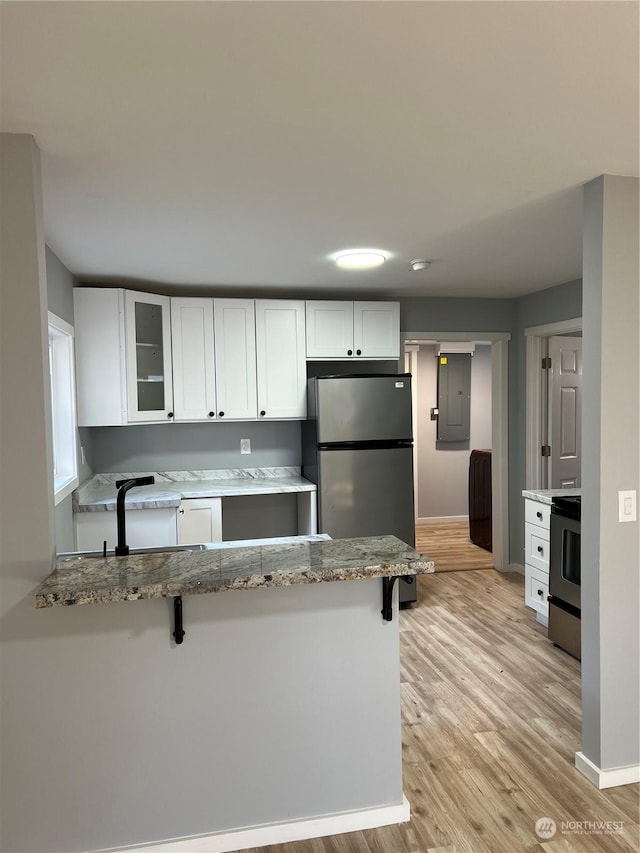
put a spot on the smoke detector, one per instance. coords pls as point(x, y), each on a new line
point(419, 264)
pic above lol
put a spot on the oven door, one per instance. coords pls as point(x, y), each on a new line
point(564, 559)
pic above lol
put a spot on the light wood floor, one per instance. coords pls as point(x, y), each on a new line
point(450, 547)
point(491, 722)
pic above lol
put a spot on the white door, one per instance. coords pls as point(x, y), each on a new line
point(565, 411)
point(376, 330)
point(235, 358)
point(148, 335)
point(200, 520)
point(194, 387)
point(281, 362)
point(329, 330)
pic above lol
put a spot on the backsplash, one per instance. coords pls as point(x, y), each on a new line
point(194, 447)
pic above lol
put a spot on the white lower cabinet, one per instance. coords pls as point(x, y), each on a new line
point(536, 567)
point(145, 528)
point(200, 520)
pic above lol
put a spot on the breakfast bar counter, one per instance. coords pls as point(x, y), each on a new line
point(85, 579)
point(218, 728)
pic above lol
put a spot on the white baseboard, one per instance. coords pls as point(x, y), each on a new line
point(281, 833)
point(442, 519)
point(607, 778)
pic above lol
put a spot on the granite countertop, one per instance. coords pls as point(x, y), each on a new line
point(99, 493)
point(545, 496)
point(86, 580)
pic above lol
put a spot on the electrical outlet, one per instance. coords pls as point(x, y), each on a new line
point(627, 506)
point(245, 445)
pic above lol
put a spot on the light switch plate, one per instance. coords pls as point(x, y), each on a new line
point(627, 510)
point(245, 445)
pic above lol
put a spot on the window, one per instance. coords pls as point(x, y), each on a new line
point(63, 407)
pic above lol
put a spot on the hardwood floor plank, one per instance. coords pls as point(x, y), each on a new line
point(449, 545)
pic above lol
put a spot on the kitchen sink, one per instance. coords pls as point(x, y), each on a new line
point(162, 549)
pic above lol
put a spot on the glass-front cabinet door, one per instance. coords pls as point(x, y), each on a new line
point(149, 381)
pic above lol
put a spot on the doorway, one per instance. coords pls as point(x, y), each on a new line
point(496, 345)
point(553, 405)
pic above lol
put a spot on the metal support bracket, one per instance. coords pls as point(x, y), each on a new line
point(387, 598)
point(178, 631)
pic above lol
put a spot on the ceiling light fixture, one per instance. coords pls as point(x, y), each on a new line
point(419, 264)
point(360, 259)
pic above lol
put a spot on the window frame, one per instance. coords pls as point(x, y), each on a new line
point(64, 419)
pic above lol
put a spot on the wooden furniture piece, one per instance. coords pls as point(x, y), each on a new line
point(480, 498)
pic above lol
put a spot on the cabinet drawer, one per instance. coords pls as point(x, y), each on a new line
point(537, 513)
point(536, 589)
point(536, 547)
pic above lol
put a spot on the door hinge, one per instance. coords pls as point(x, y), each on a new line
point(546, 363)
point(546, 450)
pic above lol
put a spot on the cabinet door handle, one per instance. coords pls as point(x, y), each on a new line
point(539, 515)
point(220, 414)
point(539, 549)
point(540, 592)
point(349, 352)
point(262, 413)
point(212, 414)
point(358, 352)
point(181, 511)
point(169, 414)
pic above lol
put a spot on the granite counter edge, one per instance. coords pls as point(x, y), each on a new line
point(255, 581)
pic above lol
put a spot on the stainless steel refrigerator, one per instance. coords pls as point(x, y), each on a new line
point(357, 446)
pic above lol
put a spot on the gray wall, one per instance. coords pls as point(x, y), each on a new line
point(443, 470)
point(60, 284)
point(610, 462)
point(111, 735)
point(438, 314)
point(563, 302)
point(186, 447)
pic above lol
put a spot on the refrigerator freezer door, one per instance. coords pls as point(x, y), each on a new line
point(366, 492)
point(366, 408)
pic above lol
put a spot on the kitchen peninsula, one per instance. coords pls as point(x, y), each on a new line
point(279, 716)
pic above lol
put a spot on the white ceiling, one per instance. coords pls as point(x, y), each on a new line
point(240, 144)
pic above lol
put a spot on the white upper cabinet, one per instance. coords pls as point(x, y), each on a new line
point(147, 358)
point(358, 330)
point(194, 381)
point(329, 329)
point(235, 358)
point(148, 336)
point(281, 362)
point(376, 329)
point(101, 387)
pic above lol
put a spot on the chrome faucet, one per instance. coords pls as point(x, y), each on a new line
point(123, 486)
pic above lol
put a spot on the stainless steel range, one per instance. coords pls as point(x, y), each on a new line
point(564, 574)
